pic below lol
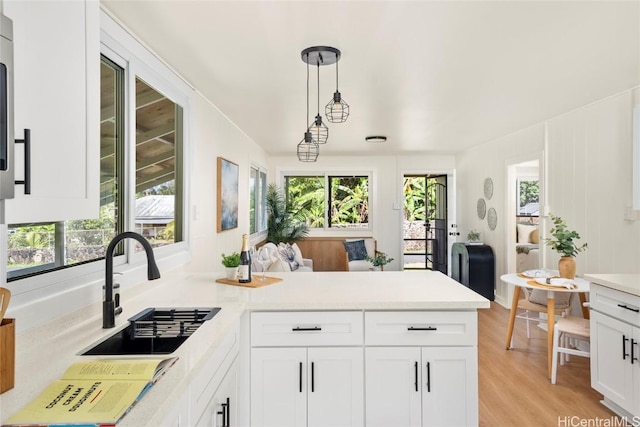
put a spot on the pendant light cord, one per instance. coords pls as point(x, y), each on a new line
point(318, 88)
point(337, 60)
point(307, 91)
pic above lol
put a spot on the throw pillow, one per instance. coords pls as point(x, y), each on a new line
point(356, 250)
point(524, 232)
point(287, 254)
point(298, 253)
point(535, 236)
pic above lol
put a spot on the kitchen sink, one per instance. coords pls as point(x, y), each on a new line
point(154, 331)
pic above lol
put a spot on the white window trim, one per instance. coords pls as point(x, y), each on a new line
point(327, 172)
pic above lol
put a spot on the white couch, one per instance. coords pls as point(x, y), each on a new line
point(279, 259)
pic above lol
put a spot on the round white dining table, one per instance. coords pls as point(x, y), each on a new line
point(520, 281)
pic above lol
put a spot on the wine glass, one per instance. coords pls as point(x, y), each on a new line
point(263, 259)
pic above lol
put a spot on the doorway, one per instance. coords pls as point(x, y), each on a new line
point(425, 245)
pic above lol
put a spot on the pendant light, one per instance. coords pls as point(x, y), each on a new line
point(308, 149)
point(319, 130)
point(337, 111)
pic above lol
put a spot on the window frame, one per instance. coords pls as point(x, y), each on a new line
point(328, 174)
point(259, 199)
point(124, 50)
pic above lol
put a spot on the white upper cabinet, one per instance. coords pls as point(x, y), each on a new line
point(57, 59)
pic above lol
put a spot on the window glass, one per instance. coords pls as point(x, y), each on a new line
point(528, 197)
point(308, 191)
point(347, 198)
point(157, 209)
point(257, 202)
point(37, 248)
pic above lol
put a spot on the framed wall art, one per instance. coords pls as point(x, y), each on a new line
point(227, 189)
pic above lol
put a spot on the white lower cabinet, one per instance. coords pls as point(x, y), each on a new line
point(373, 368)
point(615, 348)
point(615, 361)
point(222, 410)
point(313, 387)
point(421, 386)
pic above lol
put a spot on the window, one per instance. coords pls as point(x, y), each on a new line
point(153, 202)
point(257, 203)
point(528, 197)
point(331, 200)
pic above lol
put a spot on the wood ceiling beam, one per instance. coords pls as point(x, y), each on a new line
point(155, 133)
point(155, 160)
point(158, 178)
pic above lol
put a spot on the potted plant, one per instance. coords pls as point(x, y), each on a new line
point(562, 241)
point(231, 263)
point(379, 260)
point(286, 222)
point(473, 236)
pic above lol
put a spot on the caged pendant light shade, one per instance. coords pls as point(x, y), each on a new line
point(337, 110)
point(308, 149)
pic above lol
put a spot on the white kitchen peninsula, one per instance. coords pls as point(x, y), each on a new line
point(414, 314)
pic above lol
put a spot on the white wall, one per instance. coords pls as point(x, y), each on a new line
point(214, 135)
point(586, 179)
point(590, 183)
point(386, 188)
point(490, 160)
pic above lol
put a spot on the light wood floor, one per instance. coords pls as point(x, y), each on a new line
point(513, 385)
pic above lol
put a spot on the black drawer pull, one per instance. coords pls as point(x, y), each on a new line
point(300, 376)
point(299, 329)
point(428, 328)
point(27, 161)
point(313, 378)
point(626, 307)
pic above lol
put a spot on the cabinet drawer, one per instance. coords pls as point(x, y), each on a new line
point(421, 328)
point(614, 303)
point(308, 328)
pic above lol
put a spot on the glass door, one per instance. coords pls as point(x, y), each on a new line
point(425, 222)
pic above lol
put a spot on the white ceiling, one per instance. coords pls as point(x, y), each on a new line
point(433, 76)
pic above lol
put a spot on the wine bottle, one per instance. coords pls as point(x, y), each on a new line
point(244, 270)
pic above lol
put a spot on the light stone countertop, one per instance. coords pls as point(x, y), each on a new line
point(629, 283)
point(44, 353)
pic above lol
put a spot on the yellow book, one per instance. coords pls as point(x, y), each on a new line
point(94, 392)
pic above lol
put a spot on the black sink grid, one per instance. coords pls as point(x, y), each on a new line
point(154, 331)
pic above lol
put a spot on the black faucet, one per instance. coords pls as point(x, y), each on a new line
point(109, 305)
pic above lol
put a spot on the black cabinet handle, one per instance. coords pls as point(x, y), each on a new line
point(626, 307)
point(300, 375)
point(224, 413)
point(221, 412)
point(633, 343)
point(314, 328)
point(624, 347)
point(428, 328)
point(27, 161)
point(313, 377)
point(428, 377)
point(4, 123)
point(415, 367)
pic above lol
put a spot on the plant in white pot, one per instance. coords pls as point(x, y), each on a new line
point(473, 236)
point(231, 263)
point(379, 260)
point(562, 241)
